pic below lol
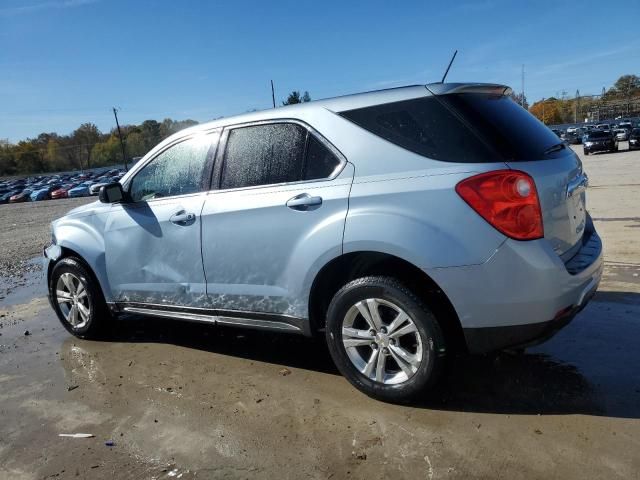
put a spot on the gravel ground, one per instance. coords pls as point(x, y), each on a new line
point(25, 229)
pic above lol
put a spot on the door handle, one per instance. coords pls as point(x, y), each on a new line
point(304, 202)
point(183, 218)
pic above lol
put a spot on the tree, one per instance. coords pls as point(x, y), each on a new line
point(295, 97)
point(169, 127)
point(150, 130)
point(627, 85)
point(85, 137)
point(547, 111)
point(517, 97)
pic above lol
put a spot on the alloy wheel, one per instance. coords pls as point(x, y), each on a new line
point(73, 301)
point(382, 341)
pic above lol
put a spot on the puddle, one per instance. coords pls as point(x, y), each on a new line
point(20, 289)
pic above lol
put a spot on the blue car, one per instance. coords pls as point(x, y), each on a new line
point(42, 193)
point(81, 190)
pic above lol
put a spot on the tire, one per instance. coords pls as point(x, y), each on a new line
point(424, 342)
point(92, 315)
point(586, 153)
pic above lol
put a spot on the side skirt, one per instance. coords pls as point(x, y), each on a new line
point(253, 320)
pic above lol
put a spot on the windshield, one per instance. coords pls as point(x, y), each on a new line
point(594, 135)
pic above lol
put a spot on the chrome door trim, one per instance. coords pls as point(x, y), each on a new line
point(255, 320)
point(577, 185)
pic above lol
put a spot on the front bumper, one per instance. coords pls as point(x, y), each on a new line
point(599, 148)
point(523, 294)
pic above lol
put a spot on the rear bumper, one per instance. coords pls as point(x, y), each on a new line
point(523, 294)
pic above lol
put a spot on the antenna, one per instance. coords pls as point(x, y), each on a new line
point(449, 66)
point(522, 99)
point(273, 95)
point(124, 156)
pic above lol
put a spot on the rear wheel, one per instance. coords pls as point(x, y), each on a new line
point(383, 339)
point(77, 299)
point(586, 153)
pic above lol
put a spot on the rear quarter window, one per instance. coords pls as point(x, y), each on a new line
point(463, 127)
point(424, 126)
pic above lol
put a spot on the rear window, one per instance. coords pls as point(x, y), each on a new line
point(464, 127)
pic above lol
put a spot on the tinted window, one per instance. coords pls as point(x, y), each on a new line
point(424, 126)
point(264, 155)
point(178, 170)
point(320, 162)
point(465, 127)
point(510, 129)
point(635, 132)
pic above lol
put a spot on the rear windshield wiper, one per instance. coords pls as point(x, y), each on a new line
point(555, 148)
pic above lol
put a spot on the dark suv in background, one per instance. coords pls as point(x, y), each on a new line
point(600, 141)
point(634, 139)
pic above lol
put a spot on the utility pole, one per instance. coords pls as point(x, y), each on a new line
point(543, 117)
point(273, 95)
point(575, 106)
point(522, 99)
point(124, 155)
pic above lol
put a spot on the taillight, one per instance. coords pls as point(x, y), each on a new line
point(508, 200)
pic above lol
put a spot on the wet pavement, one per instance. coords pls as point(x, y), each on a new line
point(211, 402)
point(178, 400)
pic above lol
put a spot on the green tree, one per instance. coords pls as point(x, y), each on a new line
point(85, 137)
point(295, 97)
point(150, 130)
point(108, 152)
point(627, 85)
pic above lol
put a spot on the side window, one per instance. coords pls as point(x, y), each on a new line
point(320, 162)
point(177, 171)
point(263, 155)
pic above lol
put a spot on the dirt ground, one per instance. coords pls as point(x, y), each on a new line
point(176, 400)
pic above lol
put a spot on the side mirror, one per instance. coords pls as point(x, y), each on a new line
point(111, 193)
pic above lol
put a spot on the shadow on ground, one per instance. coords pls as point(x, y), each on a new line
point(588, 368)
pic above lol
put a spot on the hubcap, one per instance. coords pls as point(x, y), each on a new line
point(382, 341)
point(73, 300)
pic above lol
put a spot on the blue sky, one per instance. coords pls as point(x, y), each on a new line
point(65, 62)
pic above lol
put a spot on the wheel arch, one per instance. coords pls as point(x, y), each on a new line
point(340, 270)
point(70, 252)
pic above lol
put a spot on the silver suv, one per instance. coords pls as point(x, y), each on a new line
point(404, 224)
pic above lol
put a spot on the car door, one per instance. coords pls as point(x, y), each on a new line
point(277, 216)
point(152, 241)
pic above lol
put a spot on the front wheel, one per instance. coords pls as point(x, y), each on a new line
point(383, 339)
point(586, 153)
point(77, 299)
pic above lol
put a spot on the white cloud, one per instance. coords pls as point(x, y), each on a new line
point(36, 7)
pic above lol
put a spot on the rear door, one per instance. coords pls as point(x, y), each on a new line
point(278, 214)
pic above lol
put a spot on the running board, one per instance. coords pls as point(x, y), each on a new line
point(255, 320)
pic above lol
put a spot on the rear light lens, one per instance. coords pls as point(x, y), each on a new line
point(508, 200)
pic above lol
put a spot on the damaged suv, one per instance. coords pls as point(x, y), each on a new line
point(401, 224)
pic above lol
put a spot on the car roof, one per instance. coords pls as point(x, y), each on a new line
point(352, 101)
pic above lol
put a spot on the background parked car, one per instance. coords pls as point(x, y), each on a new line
point(81, 190)
point(634, 139)
point(622, 134)
point(600, 141)
point(20, 197)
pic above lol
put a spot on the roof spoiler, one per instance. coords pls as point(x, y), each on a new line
point(446, 88)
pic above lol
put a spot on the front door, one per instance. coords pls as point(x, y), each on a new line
point(152, 241)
